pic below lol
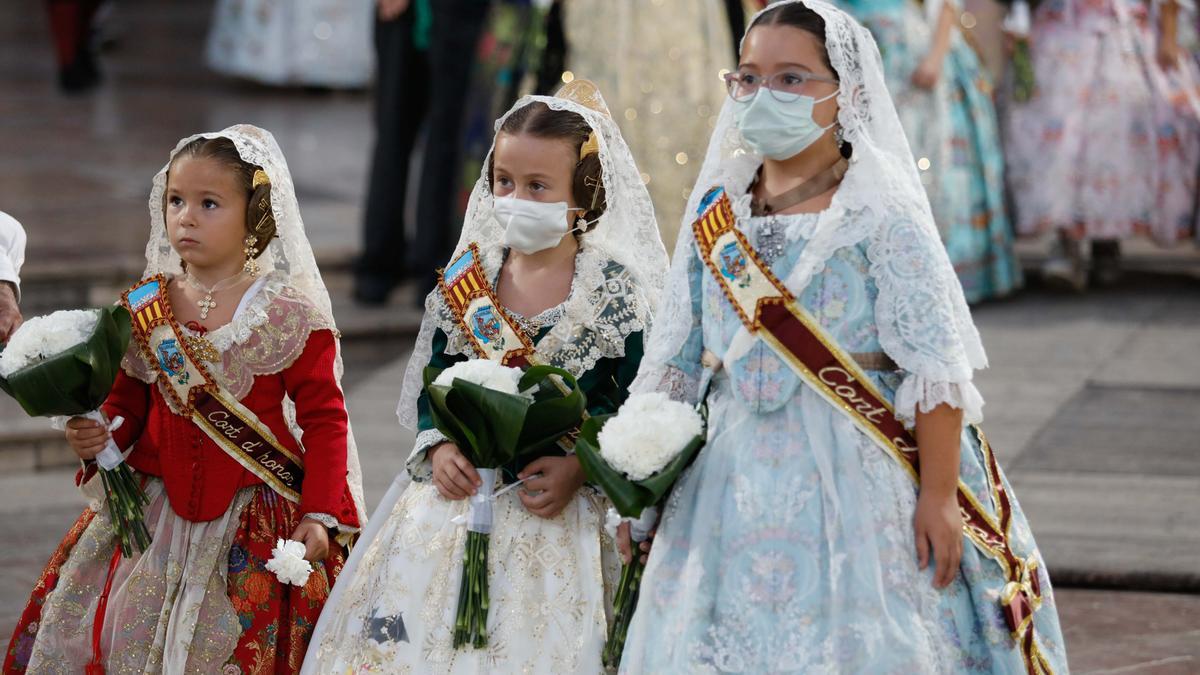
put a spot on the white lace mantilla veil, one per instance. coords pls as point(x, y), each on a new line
point(923, 320)
point(287, 264)
point(626, 233)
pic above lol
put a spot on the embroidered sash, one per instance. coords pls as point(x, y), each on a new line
point(768, 310)
point(492, 332)
point(179, 359)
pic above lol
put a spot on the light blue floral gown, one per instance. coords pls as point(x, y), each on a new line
point(956, 137)
point(788, 545)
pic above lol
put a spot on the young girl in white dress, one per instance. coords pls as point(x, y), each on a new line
point(563, 230)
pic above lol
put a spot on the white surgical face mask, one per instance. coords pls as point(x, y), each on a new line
point(531, 226)
point(776, 129)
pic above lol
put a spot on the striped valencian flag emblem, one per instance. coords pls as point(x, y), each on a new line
point(717, 219)
point(145, 302)
point(463, 280)
point(467, 293)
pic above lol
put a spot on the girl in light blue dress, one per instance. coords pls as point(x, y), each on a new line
point(795, 542)
point(943, 94)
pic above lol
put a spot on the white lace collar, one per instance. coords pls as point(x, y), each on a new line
point(251, 313)
point(569, 318)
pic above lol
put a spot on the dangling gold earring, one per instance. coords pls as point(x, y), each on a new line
point(251, 251)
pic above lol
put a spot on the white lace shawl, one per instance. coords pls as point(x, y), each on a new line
point(292, 274)
point(923, 320)
point(603, 308)
point(267, 334)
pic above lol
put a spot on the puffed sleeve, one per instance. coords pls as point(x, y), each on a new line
point(672, 362)
point(924, 322)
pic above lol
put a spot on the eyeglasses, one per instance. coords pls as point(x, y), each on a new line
point(785, 87)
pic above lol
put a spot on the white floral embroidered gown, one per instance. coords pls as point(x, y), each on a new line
point(550, 581)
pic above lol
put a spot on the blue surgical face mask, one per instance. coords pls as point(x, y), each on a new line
point(776, 129)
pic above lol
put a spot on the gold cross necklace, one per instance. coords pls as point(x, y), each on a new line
point(207, 304)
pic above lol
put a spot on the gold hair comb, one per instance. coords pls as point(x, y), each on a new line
point(590, 146)
point(585, 93)
point(260, 178)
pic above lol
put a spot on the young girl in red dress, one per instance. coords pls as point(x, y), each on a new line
point(234, 419)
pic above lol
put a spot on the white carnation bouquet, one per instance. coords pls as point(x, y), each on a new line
point(647, 433)
point(44, 337)
point(635, 456)
point(495, 414)
point(64, 365)
point(483, 372)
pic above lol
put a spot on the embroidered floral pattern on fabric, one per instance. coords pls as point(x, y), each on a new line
point(588, 326)
point(541, 577)
point(276, 620)
point(176, 588)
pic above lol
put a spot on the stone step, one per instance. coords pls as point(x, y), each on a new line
point(48, 284)
point(1137, 255)
point(29, 444)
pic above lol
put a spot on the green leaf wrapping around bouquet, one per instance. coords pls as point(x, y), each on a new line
point(660, 483)
point(484, 423)
point(458, 418)
point(470, 433)
point(628, 496)
point(557, 408)
point(111, 339)
point(78, 380)
point(502, 416)
point(493, 428)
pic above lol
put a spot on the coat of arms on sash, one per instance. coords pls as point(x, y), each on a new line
point(493, 335)
point(485, 325)
point(172, 362)
point(733, 264)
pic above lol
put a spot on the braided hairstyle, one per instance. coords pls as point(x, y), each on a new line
point(260, 219)
point(541, 121)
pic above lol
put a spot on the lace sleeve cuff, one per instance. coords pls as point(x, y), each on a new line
point(91, 485)
point(916, 392)
point(344, 534)
point(674, 382)
point(325, 519)
point(418, 462)
point(680, 385)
